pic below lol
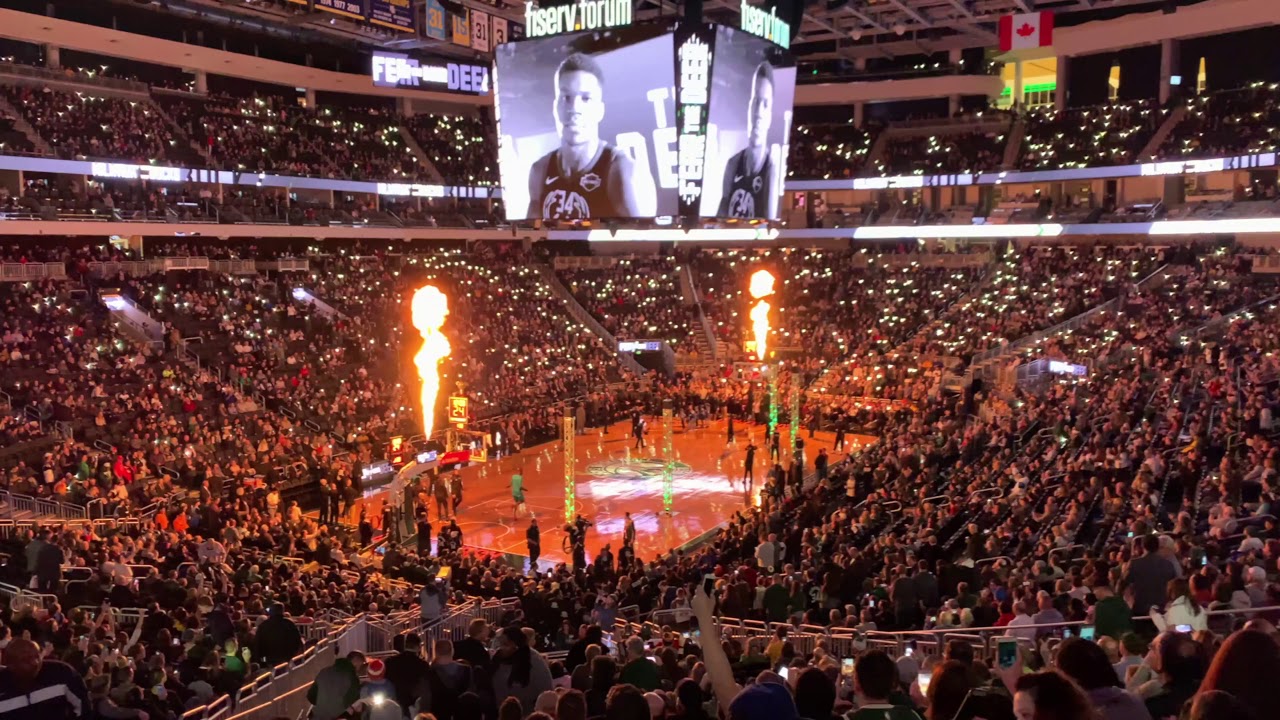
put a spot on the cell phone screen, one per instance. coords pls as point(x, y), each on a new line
point(1007, 653)
point(1088, 632)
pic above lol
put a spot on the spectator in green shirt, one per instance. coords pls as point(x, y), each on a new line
point(639, 670)
point(1111, 615)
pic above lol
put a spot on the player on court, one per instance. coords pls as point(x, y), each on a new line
point(586, 177)
point(748, 178)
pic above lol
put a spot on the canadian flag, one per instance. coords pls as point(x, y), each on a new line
point(1026, 30)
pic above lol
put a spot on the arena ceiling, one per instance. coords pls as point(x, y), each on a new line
point(830, 29)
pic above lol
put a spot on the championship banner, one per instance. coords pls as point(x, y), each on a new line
point(394, 14)
point(499, 31)
point(461, 28)
point(516, 31)
point(354, 9)
point(434, 24)
point(480, 31)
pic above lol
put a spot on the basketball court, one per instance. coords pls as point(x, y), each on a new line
point(614, 478)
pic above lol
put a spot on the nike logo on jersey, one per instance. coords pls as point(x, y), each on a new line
point(736, 178)
point(552, 179)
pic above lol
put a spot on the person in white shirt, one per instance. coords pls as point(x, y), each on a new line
point(770, 552)
point(1251, 542)
point(1021, 618)
point(1182, 612)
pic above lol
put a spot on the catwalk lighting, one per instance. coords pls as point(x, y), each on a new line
point(761, 286)
point(430, 307)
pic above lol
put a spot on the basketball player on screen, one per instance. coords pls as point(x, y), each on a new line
point(586, 177)
point(748, 178)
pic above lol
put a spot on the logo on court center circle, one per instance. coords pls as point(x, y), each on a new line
point(635, 469)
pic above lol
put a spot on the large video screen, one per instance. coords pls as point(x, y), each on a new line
point(587, 125)
point(753, 88)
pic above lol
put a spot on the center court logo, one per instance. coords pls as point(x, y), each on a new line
point(635, 469)
point(582, 15)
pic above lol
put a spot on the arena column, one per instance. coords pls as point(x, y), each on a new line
point(570, 477)
point(668, 455)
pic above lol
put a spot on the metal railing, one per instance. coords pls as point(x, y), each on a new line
point(40, 507)
point(22, 272)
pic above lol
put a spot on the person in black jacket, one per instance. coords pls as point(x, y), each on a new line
point(277, 639)
point(23, 677)
point(474, 648)
point(407, 671)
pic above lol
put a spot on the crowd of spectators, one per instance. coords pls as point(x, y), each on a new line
point(971, 152)
point(1225, 123)
point(636, 299)
point(829, 150)
point(1148, 482)
point(79, 125)
point(1085, 137)
point(461, 147)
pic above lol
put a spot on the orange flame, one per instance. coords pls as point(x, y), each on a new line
point(430, 307)
point(761, 285)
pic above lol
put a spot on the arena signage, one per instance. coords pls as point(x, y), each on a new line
point(694, 56)
point(764, 24)
point(119, 171)
point(582, 15)
point(410, 190)
point(1184, 167)
point(395, 70)
point(635, 346)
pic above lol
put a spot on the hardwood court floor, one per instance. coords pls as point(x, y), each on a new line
point(614, 478)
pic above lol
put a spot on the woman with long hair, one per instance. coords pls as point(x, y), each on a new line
point(1050, 695)
point(947, 690)
point(1088, 665)
point(1241, 668)
point(1182, 610)
point(518, 671)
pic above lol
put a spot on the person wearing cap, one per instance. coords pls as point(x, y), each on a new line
point(377, 686)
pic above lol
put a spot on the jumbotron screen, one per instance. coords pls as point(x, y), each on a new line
point(642, 122)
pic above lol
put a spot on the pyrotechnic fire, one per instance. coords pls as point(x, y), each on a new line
point(761, 286)
point(430, 307)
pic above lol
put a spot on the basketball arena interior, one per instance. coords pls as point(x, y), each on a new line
point(639, 359)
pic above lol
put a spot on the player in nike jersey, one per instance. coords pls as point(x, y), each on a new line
point(586, 177)
point(748, 178)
